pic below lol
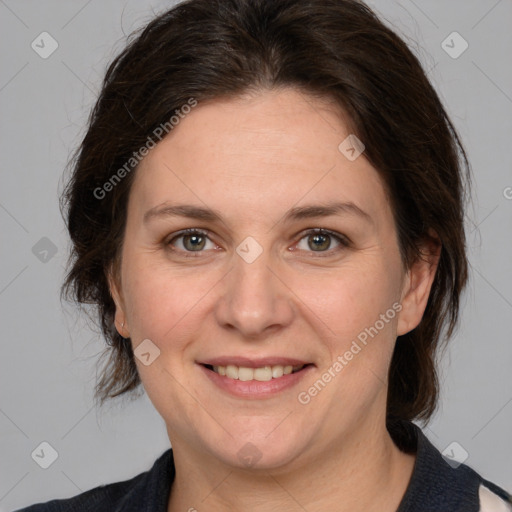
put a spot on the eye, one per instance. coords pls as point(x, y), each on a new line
point(320, 240)
point(191, 240)
point(314, 240)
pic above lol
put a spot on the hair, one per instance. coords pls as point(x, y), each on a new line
point(333, 49)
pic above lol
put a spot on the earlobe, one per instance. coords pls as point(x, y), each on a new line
point(417, 285)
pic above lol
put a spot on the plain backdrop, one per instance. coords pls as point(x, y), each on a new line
point(49, 355)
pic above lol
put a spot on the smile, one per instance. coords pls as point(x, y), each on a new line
point(261, 374)
point(255, 379)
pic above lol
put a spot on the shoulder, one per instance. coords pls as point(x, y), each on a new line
point(101, 498)
point(439, 483)
point(146, 491)
point(493, 498)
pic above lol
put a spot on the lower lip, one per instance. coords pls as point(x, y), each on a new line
point(255, 388)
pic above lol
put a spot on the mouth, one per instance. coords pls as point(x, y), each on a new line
point(261, 374)
point(255, 379)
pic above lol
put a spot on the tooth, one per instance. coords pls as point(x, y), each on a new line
point(232, 371)
point(263, 374)
point(277, 371)
point(245, 374)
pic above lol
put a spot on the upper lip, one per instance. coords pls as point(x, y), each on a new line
point(252, 362)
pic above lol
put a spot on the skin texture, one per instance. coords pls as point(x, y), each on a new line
point(252, 159)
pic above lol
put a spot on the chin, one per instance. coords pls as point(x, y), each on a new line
point(265, 452)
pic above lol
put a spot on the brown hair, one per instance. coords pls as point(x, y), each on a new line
point(337, 49)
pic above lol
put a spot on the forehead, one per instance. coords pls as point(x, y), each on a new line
point(268, 151)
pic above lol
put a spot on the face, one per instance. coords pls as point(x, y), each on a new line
point(252, 245)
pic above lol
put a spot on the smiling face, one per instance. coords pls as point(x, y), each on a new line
point(254, 285)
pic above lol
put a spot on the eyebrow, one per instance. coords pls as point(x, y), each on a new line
point(294, 214)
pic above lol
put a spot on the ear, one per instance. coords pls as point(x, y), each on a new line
point(120, 321)
point(417, 284)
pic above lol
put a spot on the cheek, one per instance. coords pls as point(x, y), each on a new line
point(349, 299)
point(163, 302)
point(151, 304)
point(162, 306)
point(354, 311)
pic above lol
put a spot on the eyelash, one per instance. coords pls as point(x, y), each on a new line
point(343, 241)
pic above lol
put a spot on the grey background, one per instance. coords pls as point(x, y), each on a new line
point(49, 354)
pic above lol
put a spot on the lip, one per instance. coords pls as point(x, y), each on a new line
point(253, 389)
point(253, 362)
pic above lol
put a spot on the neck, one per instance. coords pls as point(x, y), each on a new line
point(363, 471)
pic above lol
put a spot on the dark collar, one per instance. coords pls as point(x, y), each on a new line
point(435, 485)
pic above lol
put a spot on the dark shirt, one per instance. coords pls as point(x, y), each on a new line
point(435, 486)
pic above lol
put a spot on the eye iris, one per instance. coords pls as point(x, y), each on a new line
point(197, 241)
point(323, 240)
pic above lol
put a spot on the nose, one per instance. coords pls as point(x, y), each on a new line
point(254, 299)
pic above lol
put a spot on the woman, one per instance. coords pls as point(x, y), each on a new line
point(267, 210)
